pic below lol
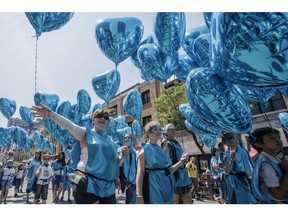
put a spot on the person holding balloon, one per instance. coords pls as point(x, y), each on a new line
point(239, 168)
point(154, 183)
point(94, 184)
point(182, 192)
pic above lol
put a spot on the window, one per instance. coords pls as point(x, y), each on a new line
point(146, 120)
point(275, 103)
point(113, 111)
point(146, 97)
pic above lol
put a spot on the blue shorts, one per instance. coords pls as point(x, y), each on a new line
point(59, 179)
point(6, 184)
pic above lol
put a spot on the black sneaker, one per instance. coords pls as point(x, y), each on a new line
point(62, 199)
point(21, 191)
point(15, 195)
point(69, 201)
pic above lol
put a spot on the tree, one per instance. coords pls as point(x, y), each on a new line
point(168, 108)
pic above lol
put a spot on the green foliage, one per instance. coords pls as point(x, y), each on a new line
point(168, 105)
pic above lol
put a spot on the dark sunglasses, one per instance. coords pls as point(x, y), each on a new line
point(104, 115)
point(46, 158)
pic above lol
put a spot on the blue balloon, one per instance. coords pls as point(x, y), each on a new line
point(145, 76)
point(50, 126)
point(26, 115)
point(119, 135)
point(51, 148)
point(106, 85)
point(39, 140)
point(190, 37)
point(68, 153)
point(62, 137)
point(257, 94)
point(119, 38)
point(169, 30)
point(121, 122)
point(284, 91)
point(46, 22)
point(64, 109)
point(7, 107)
point(133, 103)
point(156, 63)
point(193, 118)
point(6, 135)
point(134, 57)
point(207, 140)
point(19, 137)
point(96, 106)
point(86, 121)
point(185, 65)
point(75, 114)
point(50, 100)
point(28, 143)
point(201, 47)
point(248, 49)
point(45, 143)
point(136, 129)
point(83, 101)
point(283, 118)
point(207, 17)
point(111, 127)
point(217, 102)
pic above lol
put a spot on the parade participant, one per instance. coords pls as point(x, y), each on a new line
point(154, 183)
point(7, 177)
point(30, 177)
point(270, 177)
point(43, 174)
point(19, 174)
point(58, 169)
point(182, 182)
point(193, 175)
point(239, 169)
point(7, 156)
point(67, 182)
point(96, 184)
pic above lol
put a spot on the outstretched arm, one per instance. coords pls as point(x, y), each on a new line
point(43, 111)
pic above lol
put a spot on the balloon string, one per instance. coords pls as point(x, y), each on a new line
point(36, 65)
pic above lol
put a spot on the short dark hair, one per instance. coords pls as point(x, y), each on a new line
point(257, 136)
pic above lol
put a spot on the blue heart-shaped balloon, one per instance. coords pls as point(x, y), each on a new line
point(6, 135)
point(250, 49)
point(50, 100)
point(133, 103)
point(75, 114)
point(28, 144)
point(111, 127)
point(207, 17)
point(26, 115)
point(96, 106)
point(190, 37)
point(156, 63)
point(64, 109)
point(201, 48)
point(284, 91)
point(217, 102)
point(86, 121)
point(120, 122)
point(39, 139)
point(51, 148)
point(118, 38)
point(193, 118)
point(46, 22)
point(185, 65)
point(283, 118)
point(136, 129)
point(7, 107)
point(19, 137)
point(83, 101)
point(106, 85)
point(169, 30)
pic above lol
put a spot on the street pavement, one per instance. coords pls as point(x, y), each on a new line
point(21, 198)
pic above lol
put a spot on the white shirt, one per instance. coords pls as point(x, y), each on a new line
point(45, 175)
point(8, 173)
point(20, 174)
point(83, 159)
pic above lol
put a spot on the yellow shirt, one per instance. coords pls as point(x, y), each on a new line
point(192, 170)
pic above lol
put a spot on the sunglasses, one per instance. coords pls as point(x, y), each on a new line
point(104, 115)
point(154, 129)
point(127, 138)
point(46, 158)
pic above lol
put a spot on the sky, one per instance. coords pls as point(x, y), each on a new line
point(67, 59)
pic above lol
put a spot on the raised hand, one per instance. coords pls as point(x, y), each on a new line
point(41, 111)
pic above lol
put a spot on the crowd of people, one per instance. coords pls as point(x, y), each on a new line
point(160, 172)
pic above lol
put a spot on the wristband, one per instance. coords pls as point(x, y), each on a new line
point(139, 196)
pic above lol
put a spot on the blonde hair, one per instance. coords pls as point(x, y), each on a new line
point(147, 127)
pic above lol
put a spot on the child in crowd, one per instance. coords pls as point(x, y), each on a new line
point(19, 174)
point(270, 177)
point(44, 174)
point(7, 177)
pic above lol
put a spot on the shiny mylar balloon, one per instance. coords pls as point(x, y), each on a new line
point(86, 121)
point(119, 135)
point(120, 122)
point(68, 153)
point(19, 137)
point(6, 135)
point(283, 118)
point(83, 101)
point(64, 109)
point(284, 91)
point(201, 50)
point(96, 106)
point(156, 63)
point(247, 48)
point(62, 137)
point(136, 129)
point(133, 103)
point(50, 126)
point(169, 30)
point(185, 65)
point(118, 38)
point(111, 127)
point(145, 76)
point(217, 102)
point(190, 37)
point(134, 57)
point(207, 140)
point(207, 17)
point(50, 100)
point(7, 107)
point(45, 143)
point(39, 139)
point(257, 94)
point(28, 143)
point(51, 148)
point(106, 85)
point(193, 118)
point(46, 22)
point(26, 115)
